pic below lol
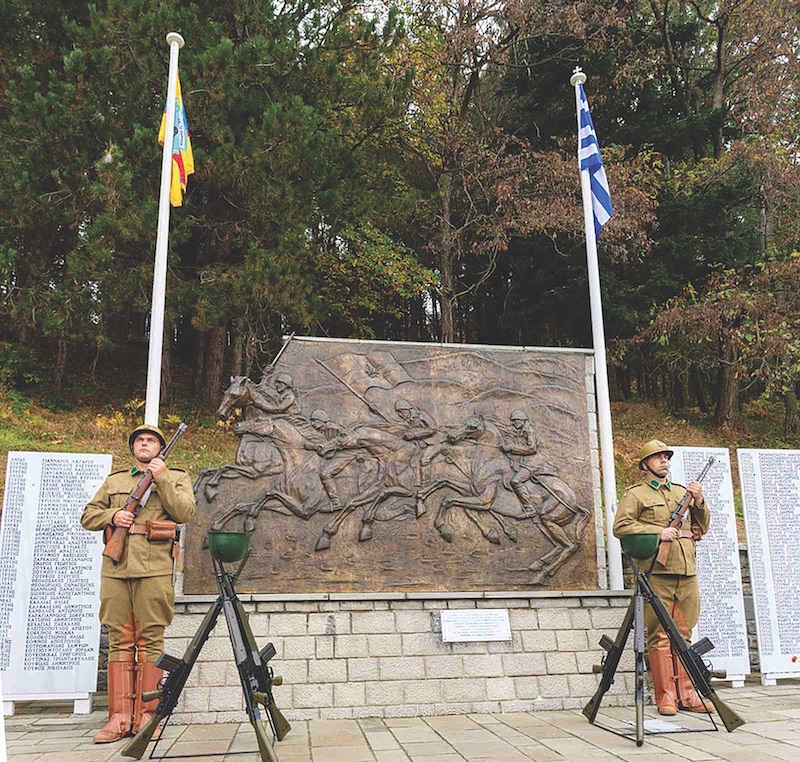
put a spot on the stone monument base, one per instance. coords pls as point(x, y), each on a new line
point(382, 655)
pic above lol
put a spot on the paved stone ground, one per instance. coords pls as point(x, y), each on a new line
point(772, 732)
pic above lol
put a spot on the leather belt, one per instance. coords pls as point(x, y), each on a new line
point(685, 534)
point(142, 529)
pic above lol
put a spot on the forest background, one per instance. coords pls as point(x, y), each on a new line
point(400, 171)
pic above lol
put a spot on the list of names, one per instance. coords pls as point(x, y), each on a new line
point(49, 575)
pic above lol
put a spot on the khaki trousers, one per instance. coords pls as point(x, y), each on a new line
point(675, 591)
point(136, 612)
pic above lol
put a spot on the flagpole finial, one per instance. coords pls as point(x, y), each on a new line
point(578, 77)
point(175, 37)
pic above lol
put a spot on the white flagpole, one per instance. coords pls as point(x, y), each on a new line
point(153, 397)
point(613, 548)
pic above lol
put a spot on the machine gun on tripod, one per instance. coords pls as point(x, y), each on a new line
point(255, 675)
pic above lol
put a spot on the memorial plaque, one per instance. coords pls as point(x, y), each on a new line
point(49, 576)
point(770, 481)
point(388, 467)
point(471, 625)
point(722, 617)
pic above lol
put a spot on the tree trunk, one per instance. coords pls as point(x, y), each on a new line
point(214, 363)
point(237, 347)
point(447, 297)
point(726, 414)
point(60, 365)
point(696, 385)
point(790, 410)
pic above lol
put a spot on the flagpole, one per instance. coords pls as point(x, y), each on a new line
point(613, 548)
point(153, 397)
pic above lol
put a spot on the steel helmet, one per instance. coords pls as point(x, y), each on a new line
point(284, 378)
point(320, 415)
point(653, 447)
point(640, 546)
point(518, 415)
point(147, 427)
point(402, 405)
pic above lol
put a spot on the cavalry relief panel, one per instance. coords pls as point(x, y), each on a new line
point(383, 467)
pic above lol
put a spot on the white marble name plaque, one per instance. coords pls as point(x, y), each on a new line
point(771, 497)
point(470, 625)
point(49, 576)
point(722, 618)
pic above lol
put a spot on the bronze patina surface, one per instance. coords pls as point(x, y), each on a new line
point(383, 467)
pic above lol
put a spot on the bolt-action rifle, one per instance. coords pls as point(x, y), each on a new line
point(677, 516)
point(117, 538)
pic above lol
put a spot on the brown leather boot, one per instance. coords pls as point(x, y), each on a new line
point(663, 681)
point(148, 676)
point(688, 698)
point(120, 702)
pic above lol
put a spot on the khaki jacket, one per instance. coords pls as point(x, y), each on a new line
point(171, 499)
point(646, 507)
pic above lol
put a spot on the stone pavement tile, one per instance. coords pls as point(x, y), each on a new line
point(647, 756)
point(216, 732)
point(542, 732)
point(569, 746)
point(484, 719)
point(542, 754)
point(395, 755)
point(521, 720)
point(382, 740)
point(74, 756)
point(428, 750)
point(487, 750)
point(403, 722)
point(511, 735)
point(683, 750)
point(341, 754)
point(419, 734)
point(452, 722)
point(497, 756)
point(336, 733)
point(199, 747)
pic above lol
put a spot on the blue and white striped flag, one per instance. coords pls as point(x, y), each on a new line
point(589, 158)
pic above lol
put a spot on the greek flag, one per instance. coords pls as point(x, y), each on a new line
point(589, 158)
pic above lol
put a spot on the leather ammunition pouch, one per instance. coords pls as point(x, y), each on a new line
point(161, 531)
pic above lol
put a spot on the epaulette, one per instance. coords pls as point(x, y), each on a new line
point(121, 471)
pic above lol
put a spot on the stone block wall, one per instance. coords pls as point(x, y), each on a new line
point(352, 656)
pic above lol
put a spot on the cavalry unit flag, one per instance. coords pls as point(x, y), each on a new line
point(182, 159)
point(589, 158)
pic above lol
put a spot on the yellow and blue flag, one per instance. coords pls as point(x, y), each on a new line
point(182, 158)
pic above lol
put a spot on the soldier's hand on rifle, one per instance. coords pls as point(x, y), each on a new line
point(156, 467)
point(123, 519)
point(669, 534)
point(696, 490)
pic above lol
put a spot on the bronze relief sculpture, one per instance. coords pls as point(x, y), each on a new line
point(379, 467)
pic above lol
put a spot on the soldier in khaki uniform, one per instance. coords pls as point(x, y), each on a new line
point(645, 509)
point(136, 594)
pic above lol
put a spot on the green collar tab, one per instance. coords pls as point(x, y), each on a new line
point(655, 484)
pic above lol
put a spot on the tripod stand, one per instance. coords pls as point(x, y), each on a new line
point(690, 657)
point(255, 676)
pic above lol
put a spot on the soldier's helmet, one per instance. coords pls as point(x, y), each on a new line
point(653, 447)
point(402, 405)
point(640, 546)
point(147, 427)
point(320, 415)
point(284, 378)
point(518, 415)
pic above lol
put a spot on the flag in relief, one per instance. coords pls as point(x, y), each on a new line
point(182, 159)
point(589, 158)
